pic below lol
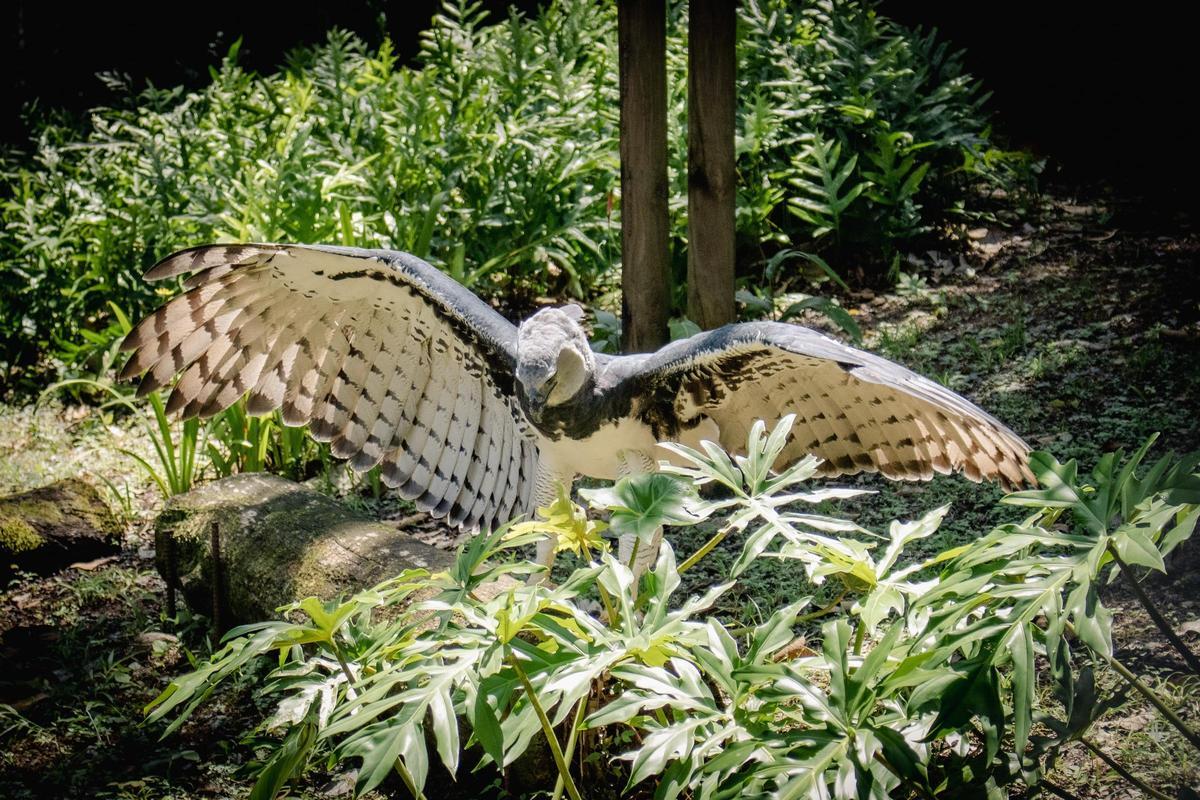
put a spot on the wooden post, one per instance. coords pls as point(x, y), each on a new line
point(172, 574)
point(645, 264)
point(218, 582)
point(712, 179)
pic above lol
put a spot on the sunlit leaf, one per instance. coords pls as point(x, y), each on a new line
point(640, 504)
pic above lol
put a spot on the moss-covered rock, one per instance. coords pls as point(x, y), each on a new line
point(279, 542)
point(17, 535)
point(45, 529)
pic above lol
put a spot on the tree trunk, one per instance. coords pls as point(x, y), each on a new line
point(712, 179)
point(645, 265)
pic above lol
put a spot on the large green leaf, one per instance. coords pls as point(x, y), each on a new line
point(379, 745)
point(487, 728)
point(639, 504)
point(285, 762)
point(1060, 489)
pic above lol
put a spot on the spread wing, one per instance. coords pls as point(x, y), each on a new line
point(382, 355)
point(857, 411)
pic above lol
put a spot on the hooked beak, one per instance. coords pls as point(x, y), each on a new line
point(535, 404)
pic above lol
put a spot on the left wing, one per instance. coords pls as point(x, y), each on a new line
point(381, 354)
point(855, 410)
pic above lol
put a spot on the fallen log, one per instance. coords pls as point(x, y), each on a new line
point(277, 542)
point(45, 529)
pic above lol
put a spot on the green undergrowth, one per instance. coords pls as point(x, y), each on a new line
point(967, 672)
point(494, 156)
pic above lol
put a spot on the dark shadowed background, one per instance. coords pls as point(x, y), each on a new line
point(1104, 91)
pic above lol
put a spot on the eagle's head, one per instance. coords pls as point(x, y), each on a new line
point(554, 360)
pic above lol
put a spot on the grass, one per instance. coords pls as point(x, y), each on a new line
point(45, 443)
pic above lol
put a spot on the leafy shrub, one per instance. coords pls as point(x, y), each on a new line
point(494, 159)
point(867, 134)
point(494, 156)
point(914, 687)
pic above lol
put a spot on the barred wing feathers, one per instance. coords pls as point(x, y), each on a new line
point(382, 355)
point(857, 411)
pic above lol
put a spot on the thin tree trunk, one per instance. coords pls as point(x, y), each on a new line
point(712, 180)
point(645, 267)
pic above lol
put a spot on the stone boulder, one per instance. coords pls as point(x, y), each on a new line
point(46, 529)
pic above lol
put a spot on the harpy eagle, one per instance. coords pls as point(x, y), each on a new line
point(477, 420)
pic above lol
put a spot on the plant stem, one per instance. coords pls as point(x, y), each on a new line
point(1156, 701)
point(564, 770)
point(1124, 773)
point(633, 553)
point(820, 612)
point(859, 631)
point(409, 782)
point(1192, 661)
point(606, 601)
point(921, 790)
point(351, 689)
point(1057, 790)
point(571, 738)
point(704, 550)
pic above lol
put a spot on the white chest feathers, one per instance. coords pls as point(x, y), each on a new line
point(598, 455)
point(601, 454)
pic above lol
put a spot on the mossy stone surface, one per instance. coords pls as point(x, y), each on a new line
point(44, 529)
point(17, 535)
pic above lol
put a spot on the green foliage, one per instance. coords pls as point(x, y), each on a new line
point(822, 194)
point(641, 503)
point(919, 688)
point(1119, 495)
point(175, 444)
point(866, 133)
point(494, 156)
point(233, 440)
point(761, 299)
point(823, 305)
point(239, 442)
point(569, 524)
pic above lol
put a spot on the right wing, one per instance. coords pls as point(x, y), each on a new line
point(857, 411)
point(379, 353)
